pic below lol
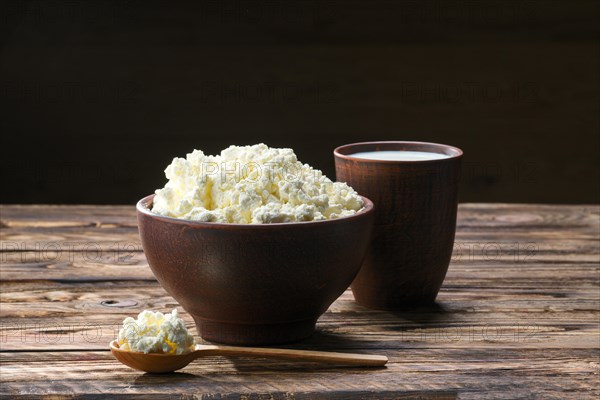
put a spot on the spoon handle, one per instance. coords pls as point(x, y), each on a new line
point(365, 360)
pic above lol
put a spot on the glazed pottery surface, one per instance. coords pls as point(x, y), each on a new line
point(255, 284)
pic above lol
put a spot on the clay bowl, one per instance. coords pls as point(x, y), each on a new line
point(254, 284)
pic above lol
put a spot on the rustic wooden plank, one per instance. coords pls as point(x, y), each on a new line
point(519, 313)
point(66, 299)
point(453, 296)
point(124, 265)
point(497, 335)
point(74, 318)
point(528, 229)
point(118, 264)
point(463, 284)
point(510, 215)
point(412, 372)
point(93, 240)
point(439, 356)
point(455, 313)
point(67, 216)
point(479, 244)
point(89, 239)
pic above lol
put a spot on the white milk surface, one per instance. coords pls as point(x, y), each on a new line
point(399, 155)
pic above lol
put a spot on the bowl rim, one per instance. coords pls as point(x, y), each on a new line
point(141, 207)
point(456, 152)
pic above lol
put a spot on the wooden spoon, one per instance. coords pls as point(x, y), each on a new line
point(162, 363)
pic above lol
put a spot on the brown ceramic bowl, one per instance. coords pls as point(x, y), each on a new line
point(254, 284)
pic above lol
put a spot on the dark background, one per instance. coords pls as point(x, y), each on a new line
point(97, 97)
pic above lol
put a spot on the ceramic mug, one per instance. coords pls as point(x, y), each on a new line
point(414, 186)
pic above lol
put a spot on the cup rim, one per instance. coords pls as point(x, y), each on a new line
point(453, 152)
point(142, 208)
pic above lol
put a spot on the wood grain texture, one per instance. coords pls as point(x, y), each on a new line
point(518, 316)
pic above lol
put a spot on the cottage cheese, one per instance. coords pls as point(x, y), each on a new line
point(155, 332)
point(251, 185)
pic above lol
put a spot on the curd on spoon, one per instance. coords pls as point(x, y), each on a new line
point(155, 332)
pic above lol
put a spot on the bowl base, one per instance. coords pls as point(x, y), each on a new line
point(254, 335)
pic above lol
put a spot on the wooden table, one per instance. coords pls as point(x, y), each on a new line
point(518, 315)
